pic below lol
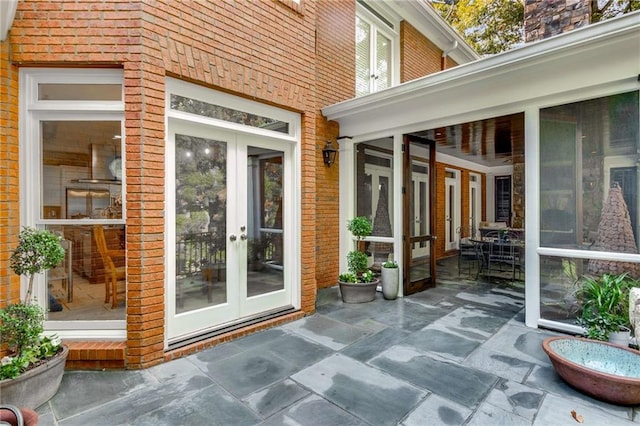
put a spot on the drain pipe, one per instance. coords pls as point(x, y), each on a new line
point(445, 53)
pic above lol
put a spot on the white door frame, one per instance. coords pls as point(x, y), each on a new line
point(452, 209)
point(475, 204)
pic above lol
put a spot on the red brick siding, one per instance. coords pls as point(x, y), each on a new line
point(260, 50)
point(9, 187)
point(418, 55)
point(335, 83)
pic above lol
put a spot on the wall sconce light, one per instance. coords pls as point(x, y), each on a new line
point(329, 154)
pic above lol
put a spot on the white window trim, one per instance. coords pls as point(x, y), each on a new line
point(392, 34)
point(34, 111)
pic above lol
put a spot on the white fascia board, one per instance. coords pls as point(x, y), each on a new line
point(599, 54)
point(426, 19)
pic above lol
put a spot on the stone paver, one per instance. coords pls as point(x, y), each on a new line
point(458, 354)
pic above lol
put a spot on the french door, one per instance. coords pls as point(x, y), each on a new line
point(228, 215)
point(419, 214)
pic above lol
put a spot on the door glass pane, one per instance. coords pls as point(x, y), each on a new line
point(265, 232)
point(201, 200)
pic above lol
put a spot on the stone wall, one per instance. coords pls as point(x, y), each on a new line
point(543, 19)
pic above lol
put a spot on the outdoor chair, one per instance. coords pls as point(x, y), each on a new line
point(504, 252)
point(469, 254)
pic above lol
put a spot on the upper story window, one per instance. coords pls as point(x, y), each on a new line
point(376, 41)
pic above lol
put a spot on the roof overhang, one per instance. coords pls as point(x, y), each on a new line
point(595, 55)
point(423, 17)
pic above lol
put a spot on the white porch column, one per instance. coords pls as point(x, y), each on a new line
point(347, 196)
point(532, 218)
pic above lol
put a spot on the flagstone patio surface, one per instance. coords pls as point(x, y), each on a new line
point(458, 354)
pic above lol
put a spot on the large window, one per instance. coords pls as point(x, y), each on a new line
point(375, 41)
point(72, 183)
point(589, 153)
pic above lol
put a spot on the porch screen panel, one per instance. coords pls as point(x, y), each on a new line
point(589, 153)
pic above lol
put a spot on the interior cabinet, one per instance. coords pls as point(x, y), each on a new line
point(86, 259)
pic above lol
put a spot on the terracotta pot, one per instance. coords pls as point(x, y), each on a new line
point(358, 292)
point(36, 386)
point(578, 362)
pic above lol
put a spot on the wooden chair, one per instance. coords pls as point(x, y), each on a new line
point(112, 273)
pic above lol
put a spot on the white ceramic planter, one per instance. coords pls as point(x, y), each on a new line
point(620, 338)
point(390, 282)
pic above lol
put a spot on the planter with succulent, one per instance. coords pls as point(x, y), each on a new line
point(358, 284)
point(605, 307)
point(390, 279)
point(31, 372)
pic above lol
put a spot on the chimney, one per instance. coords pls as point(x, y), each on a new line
point(546, 18)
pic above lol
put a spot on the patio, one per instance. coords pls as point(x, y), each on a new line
point(456, 354)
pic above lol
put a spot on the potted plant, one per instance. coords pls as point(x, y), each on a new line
point(390, 279)
point(31, 373)
point(605, 307)
point(358, 284)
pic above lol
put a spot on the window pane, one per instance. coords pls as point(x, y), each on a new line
point(588, 174)
point(81, 170)
point(80, 287)
point(194, 106)
point(79, 92)
point(383, 62)
point(363, 57)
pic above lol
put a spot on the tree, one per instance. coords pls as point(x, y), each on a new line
point(489, 26)
point(494, 26)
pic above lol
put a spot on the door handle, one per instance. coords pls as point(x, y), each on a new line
point(243, 237)
point(232, 237)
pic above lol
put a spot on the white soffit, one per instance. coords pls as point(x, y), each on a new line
point(598, 54)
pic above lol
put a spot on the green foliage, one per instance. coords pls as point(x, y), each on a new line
point(489, 26)
point(360, 227)
point(22, 324)
point(356, 262)
point(605, 304)
point(494, 26)
point(367, 276)
point(21, 327)
point(390, 264)
point(348, 277)
point(37, 251)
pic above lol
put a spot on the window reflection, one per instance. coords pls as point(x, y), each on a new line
point(80, 288)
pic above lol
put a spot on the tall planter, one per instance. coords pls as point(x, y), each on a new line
point(390, 282)
point(37, 385)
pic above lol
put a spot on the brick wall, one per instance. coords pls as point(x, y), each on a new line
point(335, 83)
point(260, 50)
point(9, 207)
point(418, 55)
